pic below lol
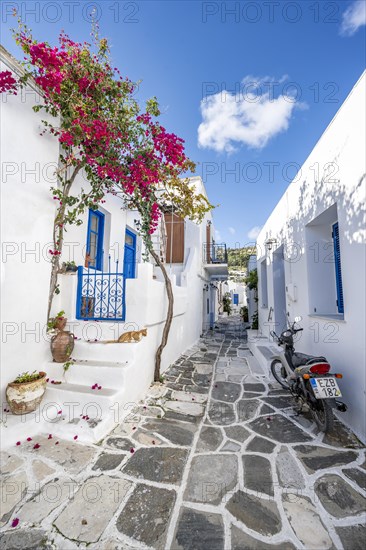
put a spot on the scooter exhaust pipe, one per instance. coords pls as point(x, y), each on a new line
point(342, 407)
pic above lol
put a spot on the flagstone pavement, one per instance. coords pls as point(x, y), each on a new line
point(214, 459)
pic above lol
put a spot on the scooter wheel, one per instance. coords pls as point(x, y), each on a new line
point(278, 372)
point(323, 416)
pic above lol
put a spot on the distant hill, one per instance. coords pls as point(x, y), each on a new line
point(238, 257)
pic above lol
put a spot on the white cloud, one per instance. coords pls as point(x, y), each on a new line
point(353, 18)
point(254, 232)
point(218, 235)
point(250, 117)
point(232, 230)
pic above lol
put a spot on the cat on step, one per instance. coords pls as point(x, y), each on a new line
point(128, 337)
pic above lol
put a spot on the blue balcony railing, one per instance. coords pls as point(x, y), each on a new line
point(101, 295)
point(214, 253)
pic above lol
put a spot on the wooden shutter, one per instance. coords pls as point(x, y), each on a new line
point(175, 239)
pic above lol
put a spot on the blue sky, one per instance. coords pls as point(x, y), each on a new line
point(249, 85)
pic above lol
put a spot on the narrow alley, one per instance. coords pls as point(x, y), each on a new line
point(214, 458)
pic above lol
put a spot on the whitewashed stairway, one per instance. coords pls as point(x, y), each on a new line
point(96, 392)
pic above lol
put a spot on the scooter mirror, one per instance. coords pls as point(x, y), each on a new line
point(298, 319)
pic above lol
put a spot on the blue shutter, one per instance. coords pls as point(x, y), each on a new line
point(236, 299)
point(338, 270)
point(95, 235)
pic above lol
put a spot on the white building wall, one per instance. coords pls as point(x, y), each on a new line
point(330, 187)
point(27, 214)
point(28, 162)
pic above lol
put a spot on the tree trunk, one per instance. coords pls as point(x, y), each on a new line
point(58, 238)
point(169, 317)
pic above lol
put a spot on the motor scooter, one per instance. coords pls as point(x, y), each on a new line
point(308, 378)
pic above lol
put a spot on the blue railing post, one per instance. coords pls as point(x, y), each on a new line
point(78, 295)
point(115, 298)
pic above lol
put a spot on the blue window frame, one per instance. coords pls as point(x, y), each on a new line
point(338, 270)
point(129, 260)
point(94, 244)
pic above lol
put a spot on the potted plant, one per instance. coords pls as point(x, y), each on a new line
point(69, 267)
point(62, 341)
point(25, 393)
point(57, 323)
point(244, 314)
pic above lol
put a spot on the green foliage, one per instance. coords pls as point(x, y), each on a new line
point(226, 301)
point(251, 280)
point(27, 377)
point(238, 258)
point(244, 313)
point(68, 364)
point(51, 325)
point(255, 324)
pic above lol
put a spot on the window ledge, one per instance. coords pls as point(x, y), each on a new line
point(328, 316)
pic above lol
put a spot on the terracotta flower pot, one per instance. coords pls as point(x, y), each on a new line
point(62, 345)
point(24, 398)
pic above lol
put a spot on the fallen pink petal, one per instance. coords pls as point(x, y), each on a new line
point(15, 522)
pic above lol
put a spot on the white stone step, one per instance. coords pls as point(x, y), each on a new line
point(105, 352)
point(75, 400)
point(81, 394)
point(88, 373)
point(88, 431)
point(255, 366)
point(16, 427)
point(65, 405)
point(99, 330)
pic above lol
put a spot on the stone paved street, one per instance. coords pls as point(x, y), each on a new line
point(215, 458)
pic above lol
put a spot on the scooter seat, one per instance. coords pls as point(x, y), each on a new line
point(302, 359)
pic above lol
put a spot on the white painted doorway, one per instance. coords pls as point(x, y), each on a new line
point(279, 290)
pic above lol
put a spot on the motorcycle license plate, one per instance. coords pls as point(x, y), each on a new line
point(325, 388)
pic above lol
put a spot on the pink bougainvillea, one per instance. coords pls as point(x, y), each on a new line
point(7, 83)
point(102, 126)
